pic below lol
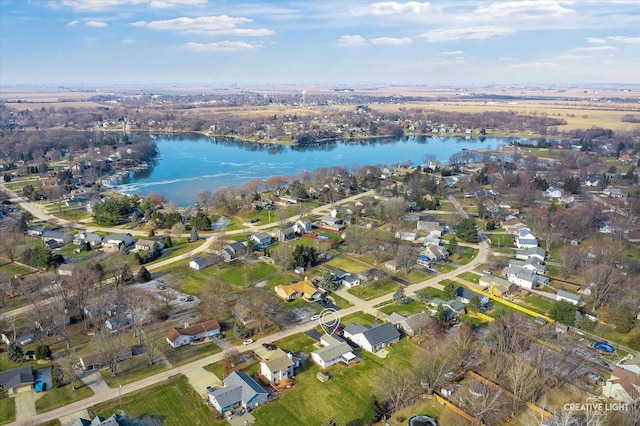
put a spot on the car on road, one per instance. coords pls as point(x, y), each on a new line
point(269, 346)
point(39, 385)
point(315, 317)
point(247, 342)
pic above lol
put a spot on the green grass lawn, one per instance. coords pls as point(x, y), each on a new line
point(434, 292)
point(187, 280)
point(464, 255)
point(173, 403)
point(414, 276)
point(341, 302)
point(342, 398)
point(133, 369)
point(470, 276)
point(410, 308)
point(348, 264)
point(11, 269)
point(7, 411)
point(247, 274)
point(537, 304)
point(374, 289)
point(59, 397)
point(75, 214)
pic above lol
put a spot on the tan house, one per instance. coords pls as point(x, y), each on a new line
point(277, 366)
point(177, 336)
point(305, 289)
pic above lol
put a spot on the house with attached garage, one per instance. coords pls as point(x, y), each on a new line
point(351, 280)
point(286, 234)
point(372, 338)
point(305, 289)
point(147, 245)
point(262, 240)
point(622, 386)
point(333, 351)
point(17, 380)
point(87, 237)
point(204, 262)
point(117, 240)
point(532, 264)
point(523, 278)
point(233, 251)
point(409, 325)
point(277, 366)
point(303, 227)
point(531, 252)
point(568, 297)
point(177, 336)
point(553, 192)
point(239, 390)
point(465, 295)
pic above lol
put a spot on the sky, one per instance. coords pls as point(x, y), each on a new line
point(319, 42)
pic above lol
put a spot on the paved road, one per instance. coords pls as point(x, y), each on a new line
point(198, 364)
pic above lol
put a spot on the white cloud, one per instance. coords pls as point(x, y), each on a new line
point(524, 9)
point(396, 8)
point(72, 23)
point(533, 65)
point(595, 40)
point(624, 39)
point(352, 41)
point(96, 24)
point(95, 5)
point(391, 40)
point(220, 46)
point(468, 33)
point(592, 48)
point(453, 52)
point(210, 25)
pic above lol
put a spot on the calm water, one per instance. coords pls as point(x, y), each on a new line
point(190, 164)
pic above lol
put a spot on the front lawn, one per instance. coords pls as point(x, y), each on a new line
point(7, 410)
point(374, 289)
point(133, 369)
point(170, 403)
point(470, 276)
point(342, 398)
point(247, 274)
point(414, 276)
point(341, 302)
point(59, 397)
point(348, 264)
point(413, 307)
point(464, 255)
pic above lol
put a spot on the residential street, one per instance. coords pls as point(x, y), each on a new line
point(198, 364)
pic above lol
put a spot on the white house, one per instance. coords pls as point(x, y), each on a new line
point(332, 352)
point(521, 277)
point(553, 192)
point(372, 338)
point(87, 237)
point(303, 227)
point(117, 240)
point(177, 337)
point(568, 297)
point(622, 386)
point(532, 264)
point(532, 252)
point(351, 281)
point(204, 262)
point(277, 366)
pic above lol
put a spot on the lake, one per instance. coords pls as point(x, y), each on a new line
point(190, 164)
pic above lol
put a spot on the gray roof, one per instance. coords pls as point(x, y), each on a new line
point(261, 235)
point(249, 386)
point(381, 333)
point(334, 350)
point(568, 295)
point(354, 328)
point(395, 318)
point(465, 293)
point(228, 395)
point(17, 376)
point(534, 250)
point(416, 321)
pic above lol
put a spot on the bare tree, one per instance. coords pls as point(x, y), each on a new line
point(110, 349)
point(154, 339)
point(178, 229)
point(139, 304)
point(396, 386)
point(489, 403)
point(231, 360)
point(215, 298)
point(71, 368)
point(524, 379)
point(462, 345)
point(12, 243)
point(570, 258)
point(603, 281)
point(394, 210)
point(431, 368)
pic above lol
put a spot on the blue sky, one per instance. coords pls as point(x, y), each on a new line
point(319, 41)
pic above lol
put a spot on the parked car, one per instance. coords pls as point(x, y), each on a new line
point(254, 220)
point(248, 342)
point(269, 346)
point(315, 317)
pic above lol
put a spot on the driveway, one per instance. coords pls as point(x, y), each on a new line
point(96, 382)
point(200, 379)
point(25, 404)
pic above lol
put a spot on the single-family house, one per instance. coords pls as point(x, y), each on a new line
point(432, 239)
point(262, 240)
point(57, 236)
point(115, 420)
point(67, 269)
point(17, 380)
point(553, 192)
point(496, 286)
point(233, 250)
point(96, 361)
point(305, 289)
point(623, 386)
point(204, 262)
point(338, 275)
point(532, 252)
point(465, 295)
point(116, 323)
point(407, 236)
point(36, 230)
point(521, 277)
point(372, 274)
point(435, 253)
point(392, 265)
point(372, 338)
point(333, 351)
point(612, 192)
point(263, 205)
point(177, 336)
point(525, 243)
point(117, 240)
point(567, 296)
point(630, 363)
point(146, 245)
point(592, 180)
point(430, 226)
point(239, 390)
point(278, 366)
point(410, 325)
point(286, 234)
point(87, 237)
point(303, 227)
point(532, 264)
point(452, 308)
point(351, 280)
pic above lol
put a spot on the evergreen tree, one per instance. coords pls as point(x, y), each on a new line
point(194, 235)
point(373, 411)
point(564, 312)
point(167, 242)
point(474, 304)
point(450, 291)
point(440, 315)
point(43, 352)
point(240, 331)
point(399, 297)
point(467, 231)
point(143, 275)
point(14, 352)
point(452, 246)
